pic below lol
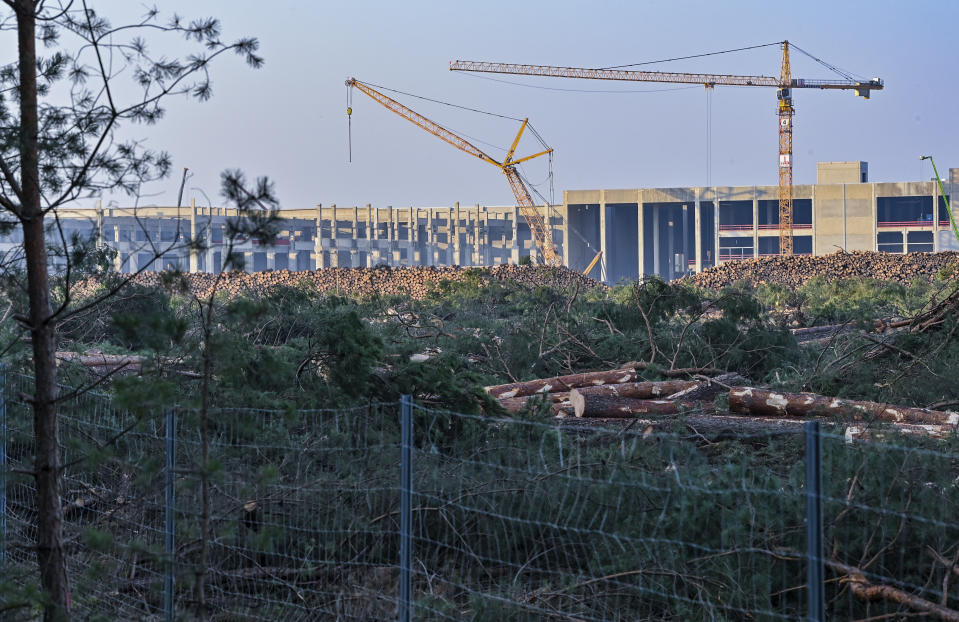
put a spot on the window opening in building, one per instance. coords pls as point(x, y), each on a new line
point(889, 241)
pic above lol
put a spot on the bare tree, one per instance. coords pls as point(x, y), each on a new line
point(62, 105)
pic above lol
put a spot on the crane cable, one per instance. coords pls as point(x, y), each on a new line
point(349, 121)
point(667, 60)
point(842, 72)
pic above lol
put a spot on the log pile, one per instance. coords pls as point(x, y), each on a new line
point(413, 282)
point(617, 394)
point(796, 270)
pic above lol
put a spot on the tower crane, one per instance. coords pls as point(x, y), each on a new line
point(785, 110)
point(538, 226)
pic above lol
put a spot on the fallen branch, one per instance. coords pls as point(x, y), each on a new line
point(867, 591)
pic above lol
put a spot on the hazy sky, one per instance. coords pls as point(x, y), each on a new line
point(288, 119)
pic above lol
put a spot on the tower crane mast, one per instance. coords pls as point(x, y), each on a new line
point(785, 111)
point(538, 226)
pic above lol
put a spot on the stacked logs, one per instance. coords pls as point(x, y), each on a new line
point(412, 282)
point(797, 270)
point(618, 394)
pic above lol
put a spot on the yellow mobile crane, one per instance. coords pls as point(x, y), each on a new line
point(537, 224)
point(785, 110)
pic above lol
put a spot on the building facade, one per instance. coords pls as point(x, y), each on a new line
point(642, 231)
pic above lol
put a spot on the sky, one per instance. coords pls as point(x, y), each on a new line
point(288, 120)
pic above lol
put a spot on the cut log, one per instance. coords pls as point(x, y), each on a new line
point(561, 383)
point(751, 401)
point(519, 404)
point(604, 406)
point(707, 390)
point(639, 390)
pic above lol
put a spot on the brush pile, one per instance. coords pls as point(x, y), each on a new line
point(797, 270)
point(413, 282)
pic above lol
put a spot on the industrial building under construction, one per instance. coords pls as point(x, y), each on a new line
point(640, 231)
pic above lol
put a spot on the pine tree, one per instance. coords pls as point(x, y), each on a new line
point(63, 101)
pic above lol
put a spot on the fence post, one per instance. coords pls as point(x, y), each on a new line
point(3, 469)
point(168, 541)
point(815, 569)
point(406, 506)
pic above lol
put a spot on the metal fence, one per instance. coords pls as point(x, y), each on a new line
point(398, 511)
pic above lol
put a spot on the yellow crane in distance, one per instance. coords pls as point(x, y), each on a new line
point(785, 110)
point(538, 226)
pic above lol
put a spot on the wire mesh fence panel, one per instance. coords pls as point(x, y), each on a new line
point(19, 577)
point(297, 516)
point(112, 501)
point(531, 520)
point(891, 519)
point(301, 514)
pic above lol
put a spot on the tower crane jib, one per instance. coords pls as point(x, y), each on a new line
point(785, 110)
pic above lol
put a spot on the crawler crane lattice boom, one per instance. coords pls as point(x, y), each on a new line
point(538, 225)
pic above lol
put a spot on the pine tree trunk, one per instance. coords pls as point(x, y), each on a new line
point(50, 555)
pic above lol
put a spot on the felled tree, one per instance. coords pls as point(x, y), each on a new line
point(61, 110)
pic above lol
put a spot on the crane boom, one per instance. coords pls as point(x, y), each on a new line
point(417, 119)
point(785, 83)
point(707, 79)
point(538, 226)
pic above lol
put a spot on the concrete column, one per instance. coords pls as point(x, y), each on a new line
point(514, 253)
point(656, 241)
point(685, 239)
point(430, 239)
point(935, 215)
point(603, 274)
point(248, 261)
point(476, 237)
point(844, 242)
point(99, 211)
point(208, 259)
point(390, 235)
point(716, 209)
point(670, 259)
point(354, 241)
point(755, 223)
point(318, 260)
point(698, 223)
point(455, 233)
point(411, 226)
point(486, 241)
point(194, 258)
point(640, 235)
point(118, 258)
point(271, 260)
point(334, 244)
point(813, 203)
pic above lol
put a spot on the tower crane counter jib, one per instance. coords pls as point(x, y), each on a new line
point(538, 225)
